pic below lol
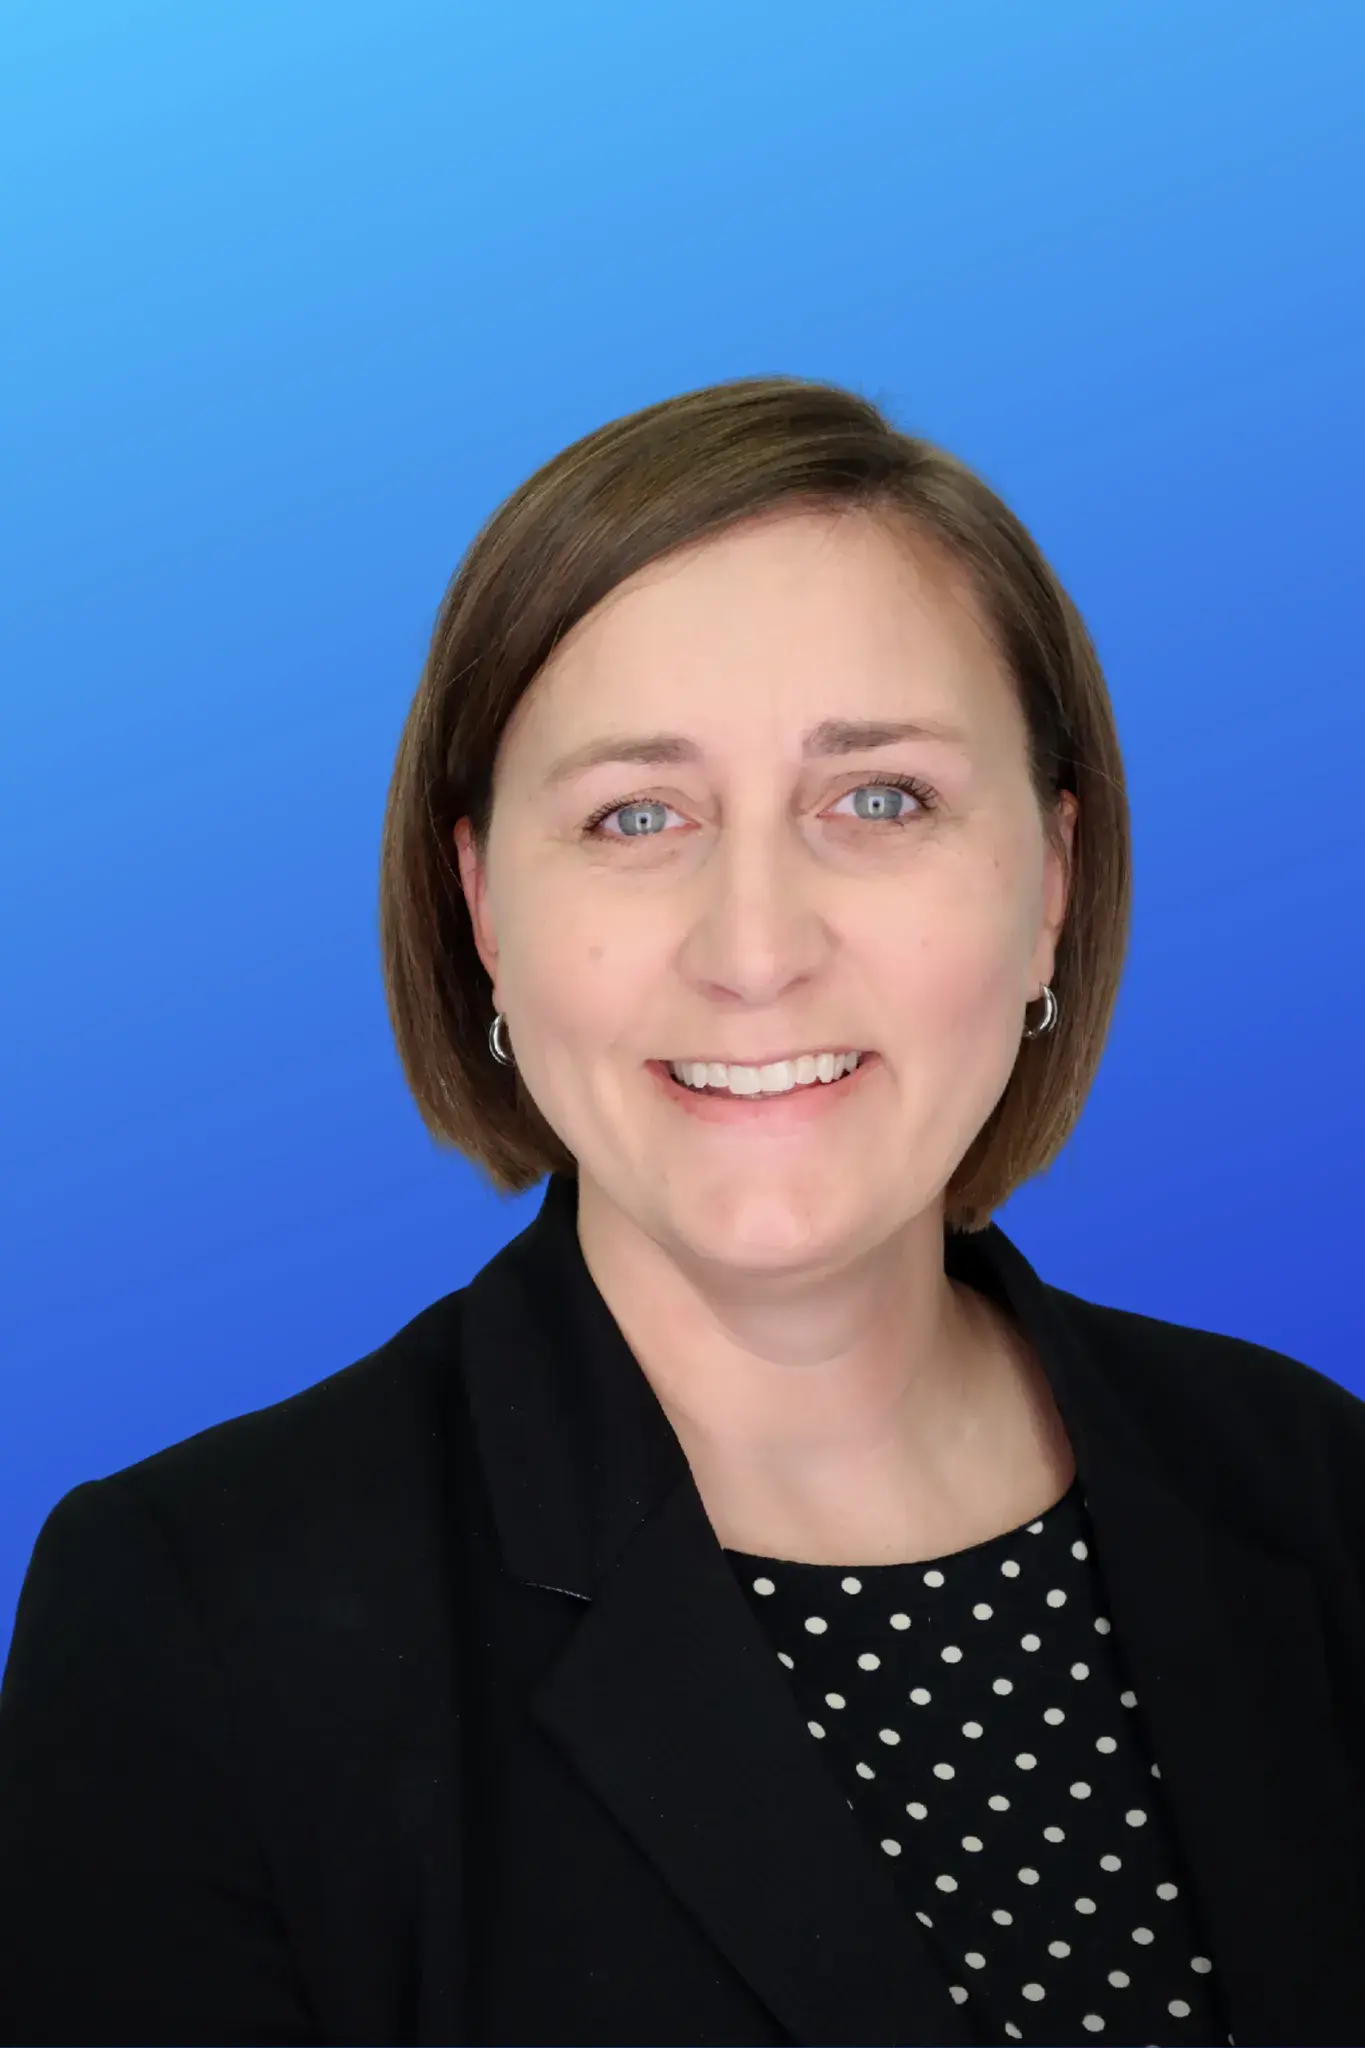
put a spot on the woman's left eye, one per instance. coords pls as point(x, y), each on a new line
point(881, 811)
point(902, 785)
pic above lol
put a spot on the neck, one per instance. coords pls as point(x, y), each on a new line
point(796, 1373)
point(880, 1412)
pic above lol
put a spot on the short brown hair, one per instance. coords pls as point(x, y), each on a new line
point(624, 496)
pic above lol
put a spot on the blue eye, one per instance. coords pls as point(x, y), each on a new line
point(634, 809)
point(638, 809)
point(900, 815)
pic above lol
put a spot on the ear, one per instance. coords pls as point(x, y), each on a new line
point(474, 883)
point(1058, 869)
point(1067, 810)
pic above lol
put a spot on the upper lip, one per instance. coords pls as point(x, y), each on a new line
point(767, 1059)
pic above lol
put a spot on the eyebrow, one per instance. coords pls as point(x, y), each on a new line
point(833, 736)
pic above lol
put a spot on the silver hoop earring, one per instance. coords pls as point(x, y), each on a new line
point(1049, 1016)
point(501, 1054)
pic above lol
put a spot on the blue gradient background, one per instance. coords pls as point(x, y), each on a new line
point(296, 293)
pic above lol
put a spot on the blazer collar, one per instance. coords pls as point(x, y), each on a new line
point(671, 1704)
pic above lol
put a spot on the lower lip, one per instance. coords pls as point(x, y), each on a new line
point(766, 1112)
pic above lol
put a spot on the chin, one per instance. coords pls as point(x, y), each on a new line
point(765, 1221)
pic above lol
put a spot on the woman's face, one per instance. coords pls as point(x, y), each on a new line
point(762, 887)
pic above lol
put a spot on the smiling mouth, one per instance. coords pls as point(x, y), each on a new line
point(797, 1090)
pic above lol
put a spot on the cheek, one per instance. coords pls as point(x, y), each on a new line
point(583, 982)
point(954, 970)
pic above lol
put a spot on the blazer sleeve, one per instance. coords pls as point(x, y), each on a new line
point(135, 1903)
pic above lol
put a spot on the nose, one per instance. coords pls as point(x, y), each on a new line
point(758, 930)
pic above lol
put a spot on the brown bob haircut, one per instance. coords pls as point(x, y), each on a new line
point(626, 495)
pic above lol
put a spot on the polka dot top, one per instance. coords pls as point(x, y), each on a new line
point(977, 1717)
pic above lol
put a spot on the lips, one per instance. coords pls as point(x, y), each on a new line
point(770, 1059)
point(769, 1094)
point(788, 1109)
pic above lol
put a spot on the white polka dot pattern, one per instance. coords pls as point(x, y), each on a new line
point(998, 1763)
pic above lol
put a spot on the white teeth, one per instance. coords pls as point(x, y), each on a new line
point(777, 1079)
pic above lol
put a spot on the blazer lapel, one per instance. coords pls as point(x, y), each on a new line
point(674, 1707)
point(1222, 1636)
point(668, 1697)
point(1224, 1645)
point(670, 1702)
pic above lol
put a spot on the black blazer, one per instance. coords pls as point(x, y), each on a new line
point(424, 1706)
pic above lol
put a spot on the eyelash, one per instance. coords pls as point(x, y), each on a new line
point(923, 794)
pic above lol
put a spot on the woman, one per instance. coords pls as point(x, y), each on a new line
point(757, 1608)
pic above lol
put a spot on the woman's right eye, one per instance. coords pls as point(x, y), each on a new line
point(634, 815)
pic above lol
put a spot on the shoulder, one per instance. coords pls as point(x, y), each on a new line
point(359, 1456)
point(1209, 1366)
point(1233, 1411)
point(364, 1411)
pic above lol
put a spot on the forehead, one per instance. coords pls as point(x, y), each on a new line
point(782, 572)
point(790, 618)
